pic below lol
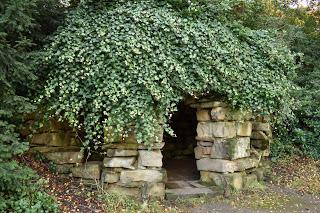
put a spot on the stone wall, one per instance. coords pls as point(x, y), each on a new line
point(230, 152)
point(231, 146)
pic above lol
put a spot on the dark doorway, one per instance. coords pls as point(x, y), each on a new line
point(178, 152)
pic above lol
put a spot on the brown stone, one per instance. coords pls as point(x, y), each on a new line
point(124, 162)
point(62, 139)
point(208, 131)
point(203, 115)
point(202, 151)
point(208, 104)
point(232, 148)
point(218, 113)
point(204, 143)
point(45, 149)
point(109, 177)
point(244, 129)
point(131, 146)
point(260, 144)
point(259, 135)
point(89, 170)
point(142, 175)
point(65, 157)
point(121, 152)
point(150, 158)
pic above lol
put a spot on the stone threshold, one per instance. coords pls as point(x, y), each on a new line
point(188, 189)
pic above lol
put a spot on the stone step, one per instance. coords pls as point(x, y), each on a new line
point(172, 194)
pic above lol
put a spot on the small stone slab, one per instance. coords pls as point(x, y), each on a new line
point(109, 177)
point(150, 158)
point(244, 129)
point(121, 152)
point(203, 115)
point(208, 131)
point(62, 139)
point(209, 104)
point(131, 146)
point(65, 157)
point(90, 170)
point(124, 162)
point(127, 177)
point(172, 194)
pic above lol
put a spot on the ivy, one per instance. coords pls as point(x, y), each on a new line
point(129, 63)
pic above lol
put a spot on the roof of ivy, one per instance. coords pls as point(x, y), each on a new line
point(128, 63)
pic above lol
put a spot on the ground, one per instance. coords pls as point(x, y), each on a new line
point(293, 186)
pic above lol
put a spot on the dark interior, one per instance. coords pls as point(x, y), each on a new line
point(178, 152)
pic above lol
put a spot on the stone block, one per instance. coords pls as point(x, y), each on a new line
point(208, 131)
point(133, 146)
point(260, 144)
point(123, 162)
point(220, 165)
point(218, 113)
point(208, 104)
point(215, 165)
point(127, 177)
point(202, 151)
point(65, 157)
point(89, 170)
point(154, 190)
point(121, 152)
point(233, 148)
point(259, 126)
point(244, 129)
point(63, 168)
point(45, 149)
point(62, 139)
point(203, 115)
point(259, 135)
point(204, 143)
point(150, 158)
point(233, 180)
point(121, 190)
point(53, 125)
point(109, 177)
point(245, 163)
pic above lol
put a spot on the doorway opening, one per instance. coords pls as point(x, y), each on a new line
point(178, 152)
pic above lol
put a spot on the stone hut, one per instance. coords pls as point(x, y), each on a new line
point(218, 147)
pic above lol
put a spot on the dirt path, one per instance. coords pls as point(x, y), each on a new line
point(277, 199)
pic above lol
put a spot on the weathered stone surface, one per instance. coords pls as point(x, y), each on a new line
point(121, 190)
point(209, 104)
point(216, 165)
point(45, 149)
point(89, 170)
point(204, 143)
point(259, 126)
point(233, 180)
point(65, 157)
point(121, 152)
point(134, 146)
point(109, 177)
point(55, 139)
point(218, 113)
point(245, 163)
point(233, 148)
point(124, 162)
point(259, 135)
point(203, 115)
point(53, 125)
point(244, 129)
point(202, 151)
point(153, 190)
point(208, 131)
point(260, 144)
point(219, 165)
point(145, 175)
point(64, 168)
point(249, 180)
point(150, 158)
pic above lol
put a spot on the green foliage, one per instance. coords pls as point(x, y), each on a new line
point(20, 27)
point(21, 190)
point(298, 28)
point(125, 63)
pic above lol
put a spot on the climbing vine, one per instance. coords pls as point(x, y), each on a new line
point(128, 63)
